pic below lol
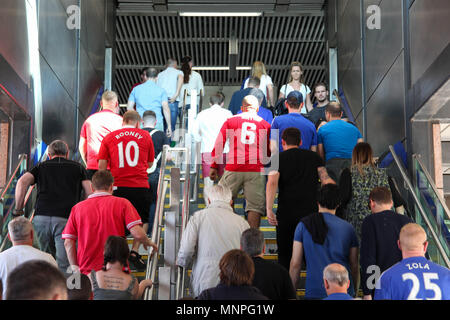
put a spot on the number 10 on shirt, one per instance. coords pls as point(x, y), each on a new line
point(130, 163)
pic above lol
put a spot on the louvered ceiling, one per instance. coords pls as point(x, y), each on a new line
point(148, 39)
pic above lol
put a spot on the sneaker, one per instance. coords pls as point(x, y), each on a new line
point(137, 261)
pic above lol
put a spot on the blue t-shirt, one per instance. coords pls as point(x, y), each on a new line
point(414, 278)
point(295, 120)
point(340, 239)
point(149, 96)
point(339, 138)
point(264, 113)
point(339, 296)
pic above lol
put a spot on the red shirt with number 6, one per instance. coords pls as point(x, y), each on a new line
point(128, 152)
point(248, 137)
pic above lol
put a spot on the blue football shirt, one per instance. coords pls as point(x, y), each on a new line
point(338, 138)
point(340, 239)
point(414, 278)
point(295, 120)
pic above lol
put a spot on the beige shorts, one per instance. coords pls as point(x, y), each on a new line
point(253, 184)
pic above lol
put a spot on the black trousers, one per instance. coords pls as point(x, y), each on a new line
point(285, 238)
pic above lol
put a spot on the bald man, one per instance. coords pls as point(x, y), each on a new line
point(248, 136)
point(336, 282)
point(414, 278)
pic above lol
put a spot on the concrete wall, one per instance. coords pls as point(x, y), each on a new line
point(389, 76)
point(60, 61)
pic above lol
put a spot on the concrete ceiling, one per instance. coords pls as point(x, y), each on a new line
point(151, 31)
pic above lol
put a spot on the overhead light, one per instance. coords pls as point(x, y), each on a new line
point(220, 14)
point(217, 68)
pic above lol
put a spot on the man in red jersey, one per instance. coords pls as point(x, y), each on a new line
point(129, 152)
point(92, 221)
point(248, 136)
point(96, 127)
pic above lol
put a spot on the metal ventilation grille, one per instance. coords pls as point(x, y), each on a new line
point(276, 40)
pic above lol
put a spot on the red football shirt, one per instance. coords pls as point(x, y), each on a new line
point(94, 129)
point(92, 221)
point(128, 151)
point(248, 136)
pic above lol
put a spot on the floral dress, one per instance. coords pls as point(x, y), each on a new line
point(361, 186)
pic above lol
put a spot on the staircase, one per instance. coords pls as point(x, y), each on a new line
point(268, 230)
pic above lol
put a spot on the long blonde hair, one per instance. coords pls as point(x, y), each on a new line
point(258, 69)
point(362, 157)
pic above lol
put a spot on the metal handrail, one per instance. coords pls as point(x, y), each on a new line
point(22, 158)
point(419, 205)
point(156, 232)
point(184, 218)
point(433, 186)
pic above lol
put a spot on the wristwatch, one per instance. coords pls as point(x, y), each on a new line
point(18, 212)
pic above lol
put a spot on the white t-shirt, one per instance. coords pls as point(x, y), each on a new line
point(304, 90)
point(17, 255)
point(265, 81)
point(207, 127)
point(168, 80)
point(195, 82)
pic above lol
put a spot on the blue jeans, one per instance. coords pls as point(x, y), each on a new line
point(153, 182)
point(173, 114)
point(48, 233)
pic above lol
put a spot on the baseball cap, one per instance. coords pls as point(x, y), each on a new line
point(297, 95)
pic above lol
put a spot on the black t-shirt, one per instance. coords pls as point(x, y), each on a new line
point(273, 280)
point(58, 186)
point(298, 183)
point(224, 292)
point(159, 139)
point(317, 115)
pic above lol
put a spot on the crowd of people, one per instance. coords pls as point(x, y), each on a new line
point(335, 214)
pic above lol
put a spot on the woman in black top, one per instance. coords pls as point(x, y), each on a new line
point(236, 276)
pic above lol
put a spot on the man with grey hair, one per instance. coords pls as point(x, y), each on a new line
point(263, 112)
point(171, 80)
point(150, 96)
point(336, 282)
point(209, 234)
point(271, 278)
point(20, 231)
point(59, 184)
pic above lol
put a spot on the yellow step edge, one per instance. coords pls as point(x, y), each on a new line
point(268, 229)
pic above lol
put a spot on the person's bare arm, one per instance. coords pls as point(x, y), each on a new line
point(87, 187)
point(309, 105)
point(130, 105)
point(102, 164)
point(321, 151)
point(71, 250)
point(166, 111)
point(21, 189)
point(144, 284)
point(82, 148)
point(313, 148)
point(271, 190)
point(354, 267)
point(271, 98)
point(324, 177)
point(273, 147)
point(360, 140)
point(139, 234)
point(179, 85)
point(295, 266)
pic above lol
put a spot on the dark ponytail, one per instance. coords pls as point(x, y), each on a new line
point(186, 68)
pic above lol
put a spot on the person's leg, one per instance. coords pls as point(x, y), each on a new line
point(285, 238)
point(153, 179)
point(142, 200)
point(58, 224)
point(42, 230)
point(234, 181)
point(173, 114)
point(255, 197)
